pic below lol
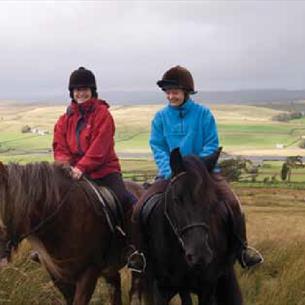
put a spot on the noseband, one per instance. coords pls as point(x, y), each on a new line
point(180, 232)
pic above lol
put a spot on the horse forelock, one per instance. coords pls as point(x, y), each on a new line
point(26, 186)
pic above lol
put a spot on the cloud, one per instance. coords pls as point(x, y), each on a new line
point(226, 44)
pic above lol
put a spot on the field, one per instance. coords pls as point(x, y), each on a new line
point(275, 212)
point(244, 130)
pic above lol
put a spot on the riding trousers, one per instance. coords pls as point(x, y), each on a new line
point(116, 184)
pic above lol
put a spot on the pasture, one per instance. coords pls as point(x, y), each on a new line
point(275, 216)
point(243, 130)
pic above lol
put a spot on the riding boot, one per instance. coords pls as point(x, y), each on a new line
point(136, 260)
point(247, 256)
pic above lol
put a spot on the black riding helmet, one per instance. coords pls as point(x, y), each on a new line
point(81, 78)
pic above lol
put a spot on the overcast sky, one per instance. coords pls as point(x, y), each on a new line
point(227, 45)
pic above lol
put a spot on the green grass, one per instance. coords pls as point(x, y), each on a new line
point(133, 143)
point(261, 128)
point(241, 127)
point(281, 280)
point(253, 141)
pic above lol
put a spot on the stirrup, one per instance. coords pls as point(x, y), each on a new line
point(34, 256)
point(260, 258)
point(130, 263)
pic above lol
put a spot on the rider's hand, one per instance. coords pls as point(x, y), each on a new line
point(76, 173)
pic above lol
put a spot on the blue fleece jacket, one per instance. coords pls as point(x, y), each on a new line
point(191, 127)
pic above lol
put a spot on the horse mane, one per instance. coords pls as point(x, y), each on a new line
point(38, 189)
point(25, 186)
point(205, 183)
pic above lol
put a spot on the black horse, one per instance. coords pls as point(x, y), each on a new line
point(189, 241)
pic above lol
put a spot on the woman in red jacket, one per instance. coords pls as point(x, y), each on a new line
point(84, 137)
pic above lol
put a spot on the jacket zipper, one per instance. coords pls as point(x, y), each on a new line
point(181, 115)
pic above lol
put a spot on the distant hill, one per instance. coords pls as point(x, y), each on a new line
point(259, 96)
point(218, 97)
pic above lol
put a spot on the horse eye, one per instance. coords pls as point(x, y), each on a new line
point(178, 199)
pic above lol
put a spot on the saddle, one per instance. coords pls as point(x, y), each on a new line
point(148, 206)
point(111, 206)
point(147, 201)
point(114, 206)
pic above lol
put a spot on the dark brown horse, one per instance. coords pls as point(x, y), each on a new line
point(189, 241)
point(63, 221)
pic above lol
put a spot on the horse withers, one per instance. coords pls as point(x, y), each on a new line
point(63, 221)
point(188, 238)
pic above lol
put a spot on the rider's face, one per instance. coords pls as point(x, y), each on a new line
point(82, 95)
point(175, 96)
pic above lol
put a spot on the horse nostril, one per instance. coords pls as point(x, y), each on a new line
point(189, 258)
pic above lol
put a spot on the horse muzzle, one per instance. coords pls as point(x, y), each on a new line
point(199, 258)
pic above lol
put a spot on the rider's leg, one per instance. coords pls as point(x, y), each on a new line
point(158, 186)
point(247, 256)
point(116, 184)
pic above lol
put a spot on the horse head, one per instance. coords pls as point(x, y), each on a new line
point(189, 197)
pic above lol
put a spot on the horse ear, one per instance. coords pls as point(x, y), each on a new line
point(3, 172)
point(176, 161)
point(2, 167)
point(211, 160)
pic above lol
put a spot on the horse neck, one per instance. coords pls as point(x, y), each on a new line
point(26, 204)
point(166, 234)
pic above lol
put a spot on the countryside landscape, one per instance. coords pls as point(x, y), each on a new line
point(274, 207)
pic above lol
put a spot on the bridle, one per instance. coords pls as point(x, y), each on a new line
point(179, 232)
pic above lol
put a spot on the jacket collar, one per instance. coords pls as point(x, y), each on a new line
point(185, 107)
point(83, 108)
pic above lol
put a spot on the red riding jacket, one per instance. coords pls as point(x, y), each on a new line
point(84, 138)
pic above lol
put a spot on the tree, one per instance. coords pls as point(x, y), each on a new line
point(26, 129)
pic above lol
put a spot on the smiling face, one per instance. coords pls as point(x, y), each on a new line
point(175, 97)
point(81, 95)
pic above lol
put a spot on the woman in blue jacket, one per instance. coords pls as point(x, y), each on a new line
point(192, 127)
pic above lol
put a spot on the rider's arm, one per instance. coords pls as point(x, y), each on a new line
point(160, 148)
point(102, 145)
point(210, 134)
point(61, 150)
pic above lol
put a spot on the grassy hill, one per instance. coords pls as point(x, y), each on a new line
point(243, 129)
point(275, 217)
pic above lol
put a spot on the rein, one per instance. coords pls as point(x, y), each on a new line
point(180, 232)
point(15, 240)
